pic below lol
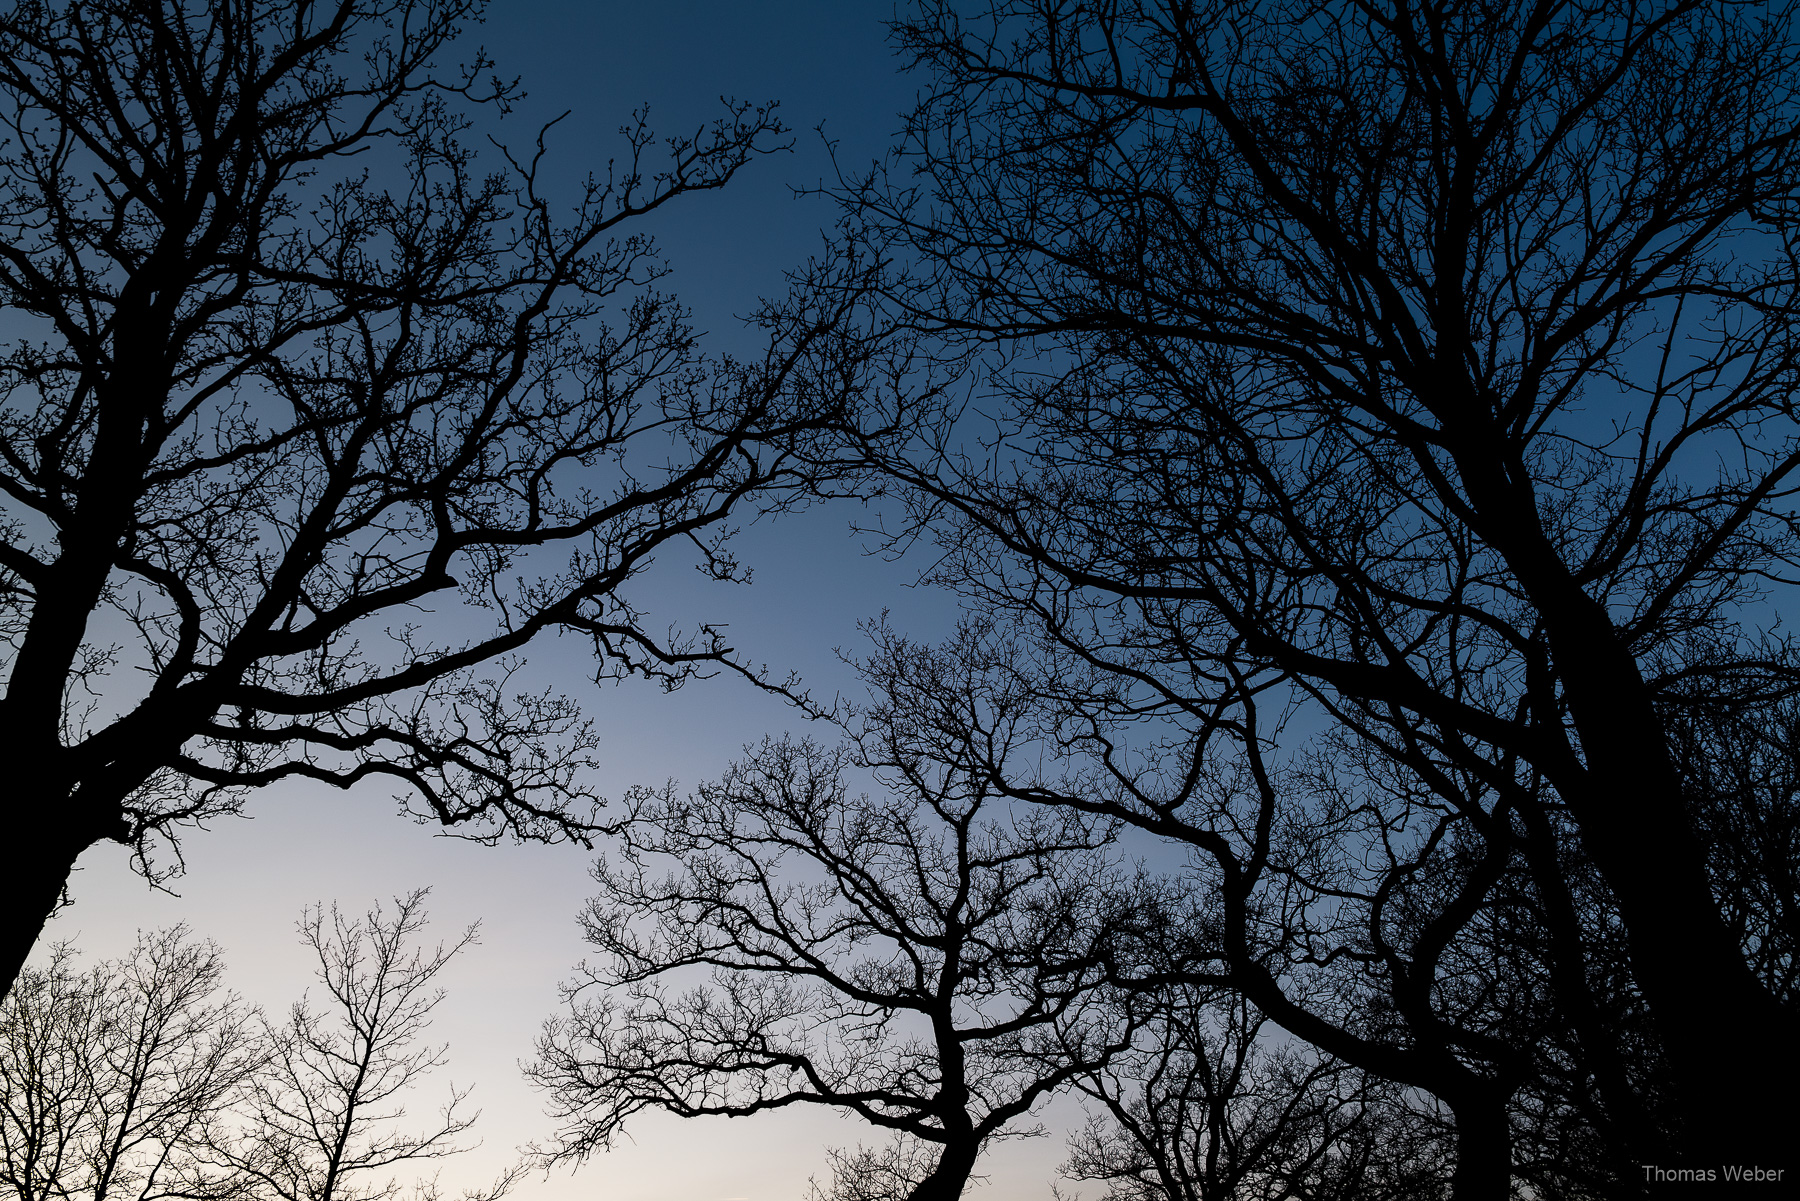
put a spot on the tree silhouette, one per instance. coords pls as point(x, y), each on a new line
point(1352, 902)
point(117, 1083)
point(323, 1112)
point(916, 959)
point(287, 376)
point(1208, 1107)
point(142, 1079)
point(1430, 363)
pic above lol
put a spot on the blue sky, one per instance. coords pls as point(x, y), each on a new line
point(247, 880)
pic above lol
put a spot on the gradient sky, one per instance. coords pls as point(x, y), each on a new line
point(247, 879)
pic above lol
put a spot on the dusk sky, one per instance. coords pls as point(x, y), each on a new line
point(1329, 525)
point(825, 62)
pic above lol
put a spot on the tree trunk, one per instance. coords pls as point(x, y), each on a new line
point(1730, 1044)
point(951, 1175)
point(1483, 1149)
point(31, 887)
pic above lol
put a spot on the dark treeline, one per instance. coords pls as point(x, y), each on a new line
point(1362, 435)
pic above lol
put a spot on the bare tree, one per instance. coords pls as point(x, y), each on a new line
point(919, 959)
point(117, 1082)
point(1431, 363)
point(143, 1079)
point(287, 375)
point(324, 1115)
point(1209, 1107)
point(1356, 904)
point(886, 1172)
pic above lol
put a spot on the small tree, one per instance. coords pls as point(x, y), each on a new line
point(286, 375)
point(918, 959)
point(117, 1084)
point(323, 1113)
point(142, 1079)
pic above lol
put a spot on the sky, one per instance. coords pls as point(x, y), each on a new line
point(247, 879)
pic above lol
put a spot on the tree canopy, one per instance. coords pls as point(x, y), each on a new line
point(311, 421)
point(1423, 373)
